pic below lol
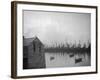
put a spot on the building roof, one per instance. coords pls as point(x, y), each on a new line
point(28, 41)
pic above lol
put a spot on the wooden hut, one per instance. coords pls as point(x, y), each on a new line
point(33, 53)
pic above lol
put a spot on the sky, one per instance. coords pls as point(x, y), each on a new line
point(59, 27)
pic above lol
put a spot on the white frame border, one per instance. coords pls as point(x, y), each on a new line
point(35, 72)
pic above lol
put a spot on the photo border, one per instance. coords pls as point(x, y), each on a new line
point(14, 37)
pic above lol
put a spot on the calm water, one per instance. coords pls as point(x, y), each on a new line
point(67, 60)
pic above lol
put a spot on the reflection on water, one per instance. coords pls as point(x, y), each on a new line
point(67, 59)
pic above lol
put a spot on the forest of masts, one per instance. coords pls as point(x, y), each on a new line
point(69, 47)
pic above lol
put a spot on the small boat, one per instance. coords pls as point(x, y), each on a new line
point(71, 55)
point(51, 58)
point(78, 60)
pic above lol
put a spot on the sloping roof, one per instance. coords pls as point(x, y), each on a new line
point(28, 41)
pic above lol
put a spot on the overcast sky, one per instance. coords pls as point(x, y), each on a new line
point(58, 27)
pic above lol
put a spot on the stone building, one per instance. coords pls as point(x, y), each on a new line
point(33, 53)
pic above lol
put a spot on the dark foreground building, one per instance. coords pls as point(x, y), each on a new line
point(33, 53)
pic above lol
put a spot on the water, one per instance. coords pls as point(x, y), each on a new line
point(67, 59)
